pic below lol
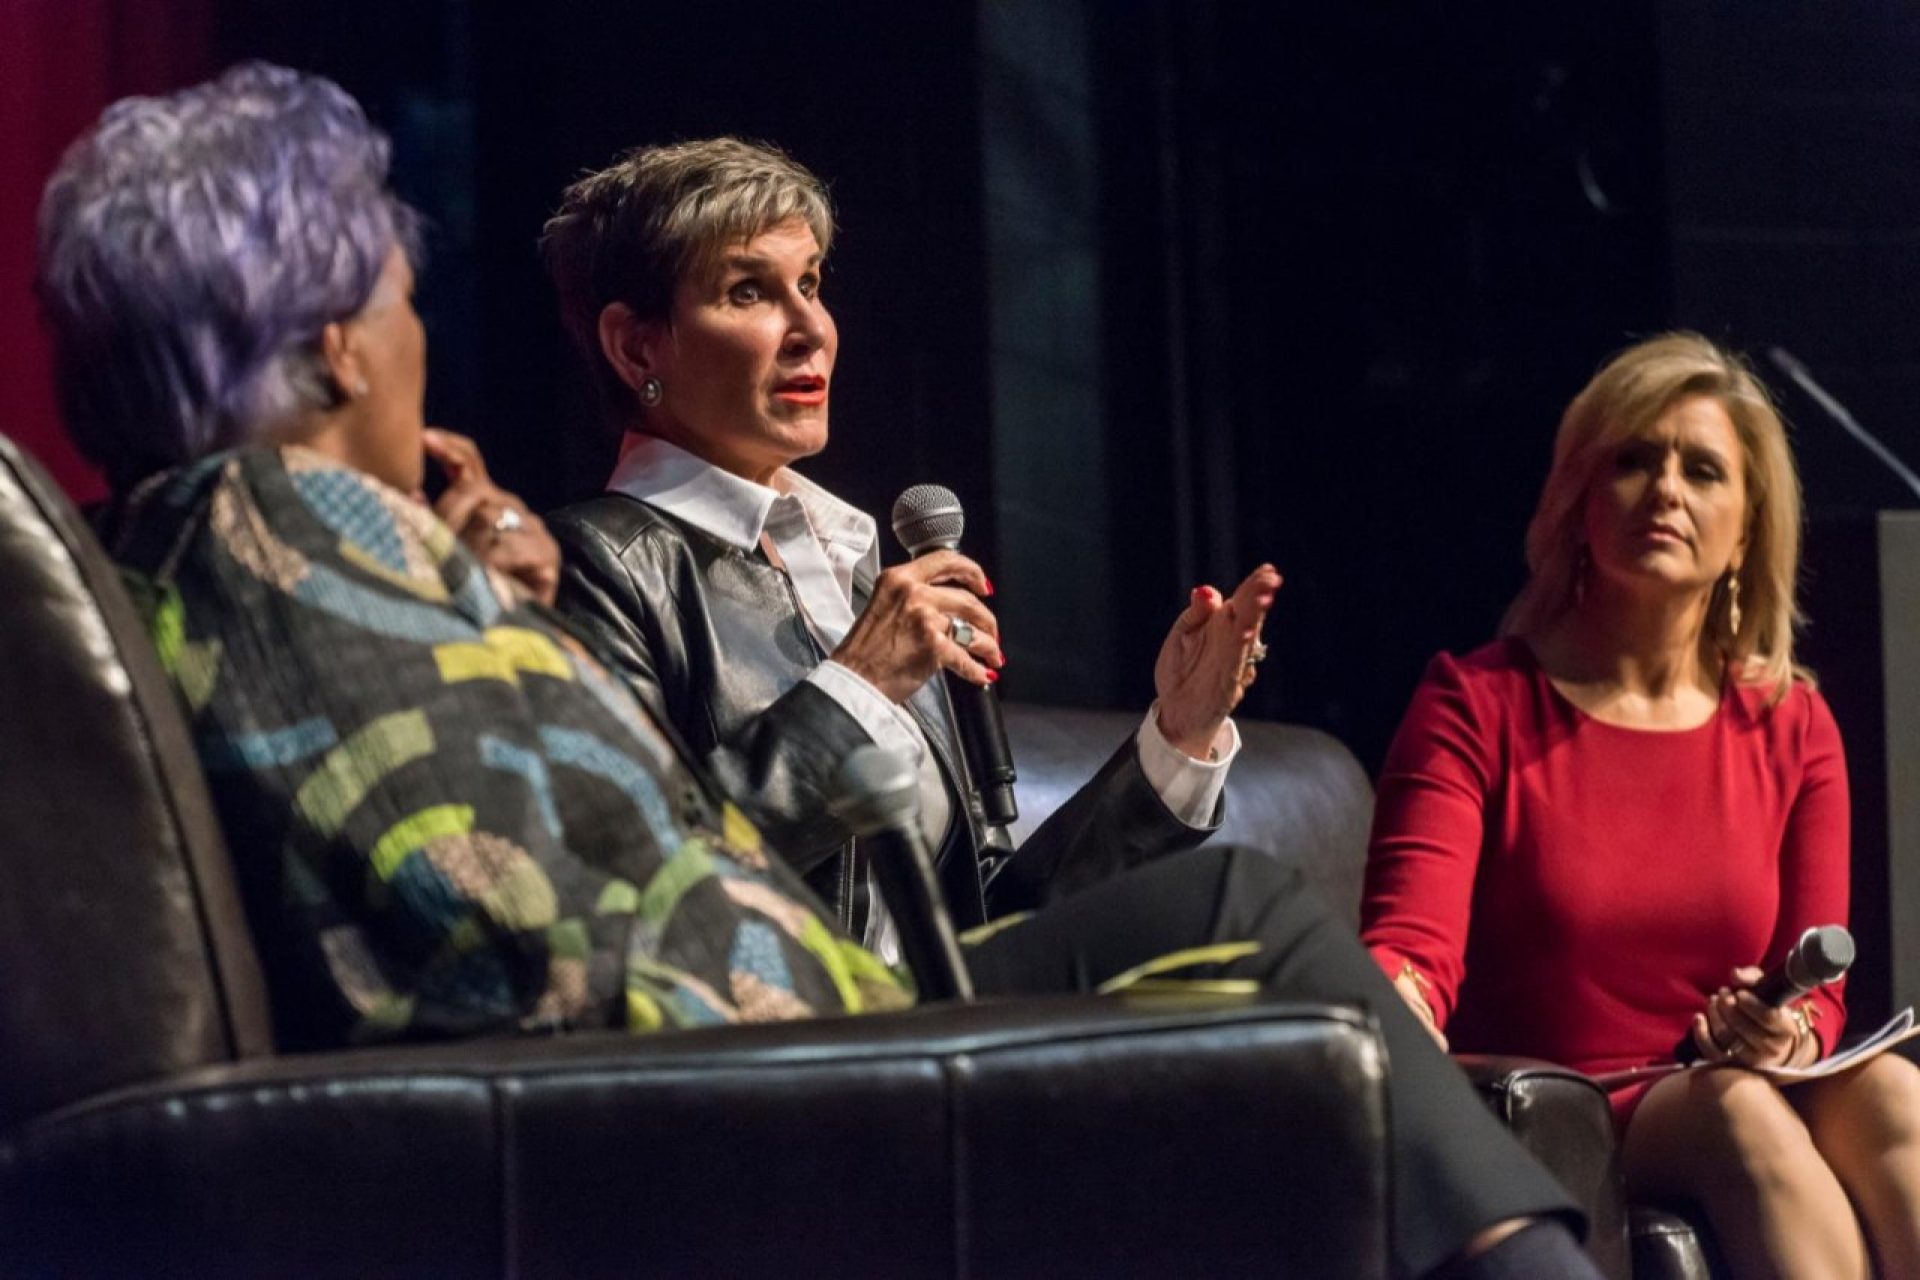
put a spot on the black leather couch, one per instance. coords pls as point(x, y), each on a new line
point(149, 1129)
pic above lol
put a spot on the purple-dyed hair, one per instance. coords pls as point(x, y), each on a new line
point(193, 247)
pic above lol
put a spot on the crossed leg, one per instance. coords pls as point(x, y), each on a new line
point(1866, 1123)
point(1730, 1141)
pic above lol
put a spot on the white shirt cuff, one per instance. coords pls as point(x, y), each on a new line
point(889, 726)
point(1189, 788)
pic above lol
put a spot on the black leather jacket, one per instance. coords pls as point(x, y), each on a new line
point(712, 640)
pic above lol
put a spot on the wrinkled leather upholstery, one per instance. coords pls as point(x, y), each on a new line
point(1563, 1118)
point(148, 1129)
point(122, 957)
point(1042, 1138)
point(1668, 1245)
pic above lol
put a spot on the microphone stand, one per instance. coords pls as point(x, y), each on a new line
point(1785, 361)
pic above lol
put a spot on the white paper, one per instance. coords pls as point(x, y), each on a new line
point(1900, 1028)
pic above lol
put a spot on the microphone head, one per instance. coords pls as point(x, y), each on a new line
point(1825, 953)
point(876, 790)
point(928, 516)
point(1785, 361)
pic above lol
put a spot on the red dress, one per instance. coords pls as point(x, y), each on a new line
point(1612, 877)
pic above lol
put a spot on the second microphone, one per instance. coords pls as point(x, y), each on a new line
point(927, 518)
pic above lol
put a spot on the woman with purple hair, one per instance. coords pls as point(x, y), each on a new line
point(227, 266)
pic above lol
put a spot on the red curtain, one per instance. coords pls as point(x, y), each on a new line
point(61, 61)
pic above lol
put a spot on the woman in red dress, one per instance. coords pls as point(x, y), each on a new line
point(1593, 833)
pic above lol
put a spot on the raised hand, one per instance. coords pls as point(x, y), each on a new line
point(1210, 659)
point(495, 525)
point(907, 631)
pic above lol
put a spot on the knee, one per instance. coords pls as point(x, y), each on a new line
point(1754, 1127)
point(1254, 867)
point(1880, 1098)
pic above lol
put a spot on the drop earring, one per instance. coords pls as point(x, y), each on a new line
point(1733, 604)
point(651, 391)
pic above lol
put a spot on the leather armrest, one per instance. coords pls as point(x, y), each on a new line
point(1672, 1242)
point(1563, 1118)
point(1032, 1137)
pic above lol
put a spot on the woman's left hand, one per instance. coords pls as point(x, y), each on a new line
point(495, 525)
point(1738, 1028)
point(1209, 659)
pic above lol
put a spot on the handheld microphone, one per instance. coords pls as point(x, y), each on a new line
point(928, 517)
point(1822, 955)
point(877, 794)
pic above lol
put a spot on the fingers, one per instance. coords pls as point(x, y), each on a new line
point(948, 568)
point(1416, 1000)
point(465, 510)
point(1755, 1021)
point(1740, 1028)
point(1703, 1042)
point(457, 455)
point(1253, 598)
point(1726, 1042)
point(1202, 605)
point(906, 632)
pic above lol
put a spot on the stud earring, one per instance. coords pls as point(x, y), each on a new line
point(651, 391)
point(1733, 603)
point(360, 387)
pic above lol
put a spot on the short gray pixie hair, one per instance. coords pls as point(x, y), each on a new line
point(631, 232)
point(191, 250)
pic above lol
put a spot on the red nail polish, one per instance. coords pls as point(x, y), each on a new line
point(989, 585)
point(993, 677)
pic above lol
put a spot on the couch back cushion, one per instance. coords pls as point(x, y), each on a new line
point(1294, 792)
point(123, 952)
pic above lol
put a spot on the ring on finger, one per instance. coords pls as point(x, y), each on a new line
point(508, 521)
point(961, 630)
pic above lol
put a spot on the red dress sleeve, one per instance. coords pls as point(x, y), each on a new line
point(1428, 829)
point(1814, 857)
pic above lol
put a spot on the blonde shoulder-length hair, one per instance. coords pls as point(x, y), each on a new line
point(1629, 393)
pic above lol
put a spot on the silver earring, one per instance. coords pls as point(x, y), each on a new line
point(651, 391)
point(360, 387)
point(1733, 603)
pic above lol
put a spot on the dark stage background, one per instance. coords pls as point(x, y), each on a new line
point(1161, 287)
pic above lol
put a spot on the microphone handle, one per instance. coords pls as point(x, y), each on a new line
point(983, 738)
point(1775, 988)
point(900, 862)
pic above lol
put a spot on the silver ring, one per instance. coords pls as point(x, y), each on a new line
point(1257, 654)
point(508, 521)
point(962, 632)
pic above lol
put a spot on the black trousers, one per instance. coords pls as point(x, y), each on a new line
point(1455, 1168)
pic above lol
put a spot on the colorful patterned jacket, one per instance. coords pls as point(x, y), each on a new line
point(447, 818)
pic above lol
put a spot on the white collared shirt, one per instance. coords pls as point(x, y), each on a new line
point(820, 542)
